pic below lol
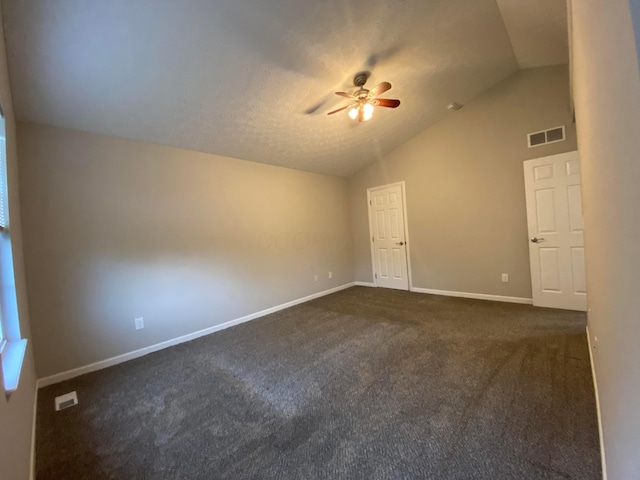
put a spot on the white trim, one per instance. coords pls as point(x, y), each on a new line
point(371, 250)
point(60, 377)
point(365, 284)
point(406, 229)
point(477, 296)
point(12, 359)
point(595, 387)
point(32, 469)
point(405, 209)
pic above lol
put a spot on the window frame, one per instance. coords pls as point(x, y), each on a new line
point(12, 345)
point(3, 230)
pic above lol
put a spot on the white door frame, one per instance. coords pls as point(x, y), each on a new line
point(406, 230)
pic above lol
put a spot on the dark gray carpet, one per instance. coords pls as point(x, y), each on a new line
point(362, 384)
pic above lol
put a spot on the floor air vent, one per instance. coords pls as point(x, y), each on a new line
point(545, 137)
point(65, 401)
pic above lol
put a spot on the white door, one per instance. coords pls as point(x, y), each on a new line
point(388, 237)
point(556, 243)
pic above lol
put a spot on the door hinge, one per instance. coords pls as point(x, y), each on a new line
point(373, 239)
point(375, 275)
point(370, 202)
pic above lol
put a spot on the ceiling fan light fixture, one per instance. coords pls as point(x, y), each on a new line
point(364, 100)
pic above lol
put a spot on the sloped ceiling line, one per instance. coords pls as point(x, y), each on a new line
point(538, 31)
point(251, 79)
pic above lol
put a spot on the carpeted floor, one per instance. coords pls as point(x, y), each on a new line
point(362, 384)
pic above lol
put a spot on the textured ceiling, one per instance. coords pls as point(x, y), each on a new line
point(538, 31)
point(251, 79)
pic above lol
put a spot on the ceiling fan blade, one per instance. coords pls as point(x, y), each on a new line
point(344, 94)
point(381, 88)
point(339, 110)
point(386, 102)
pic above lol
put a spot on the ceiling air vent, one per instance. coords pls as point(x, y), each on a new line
point(544, 137)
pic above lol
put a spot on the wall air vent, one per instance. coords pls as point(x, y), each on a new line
point(545, 137)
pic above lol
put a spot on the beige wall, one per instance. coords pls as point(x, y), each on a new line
point(465, 187)
point(117, 229)
point(607, 96)
point(16, 412)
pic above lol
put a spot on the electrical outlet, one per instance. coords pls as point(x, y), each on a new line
point(330, 274)
point(139, 323)
point(315, 277)
point(505, 278)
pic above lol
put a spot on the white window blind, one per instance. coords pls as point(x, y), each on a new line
point(4, 201)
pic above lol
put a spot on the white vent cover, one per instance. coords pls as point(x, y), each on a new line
point(65, 401)
point(545, 137)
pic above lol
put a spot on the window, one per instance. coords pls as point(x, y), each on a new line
point(12, 345)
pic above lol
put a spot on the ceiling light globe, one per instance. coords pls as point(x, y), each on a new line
point(368, 109)
point(367, 115)
point(353, 113)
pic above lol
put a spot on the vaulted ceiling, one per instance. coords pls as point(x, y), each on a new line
point(254, 79)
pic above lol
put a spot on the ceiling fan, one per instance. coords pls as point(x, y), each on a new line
point(364, 101)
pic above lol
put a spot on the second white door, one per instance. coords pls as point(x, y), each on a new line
point(556, 243)
point(388, 237)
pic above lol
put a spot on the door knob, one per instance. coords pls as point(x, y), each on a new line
point(400, 243)
point(537, 240)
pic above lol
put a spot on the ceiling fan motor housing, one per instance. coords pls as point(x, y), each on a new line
point(360, 79)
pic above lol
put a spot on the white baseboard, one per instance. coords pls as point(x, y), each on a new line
point(32, 468)
point(365, 284)
point(60, 377)
point(477, 296)
point(595, 387)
